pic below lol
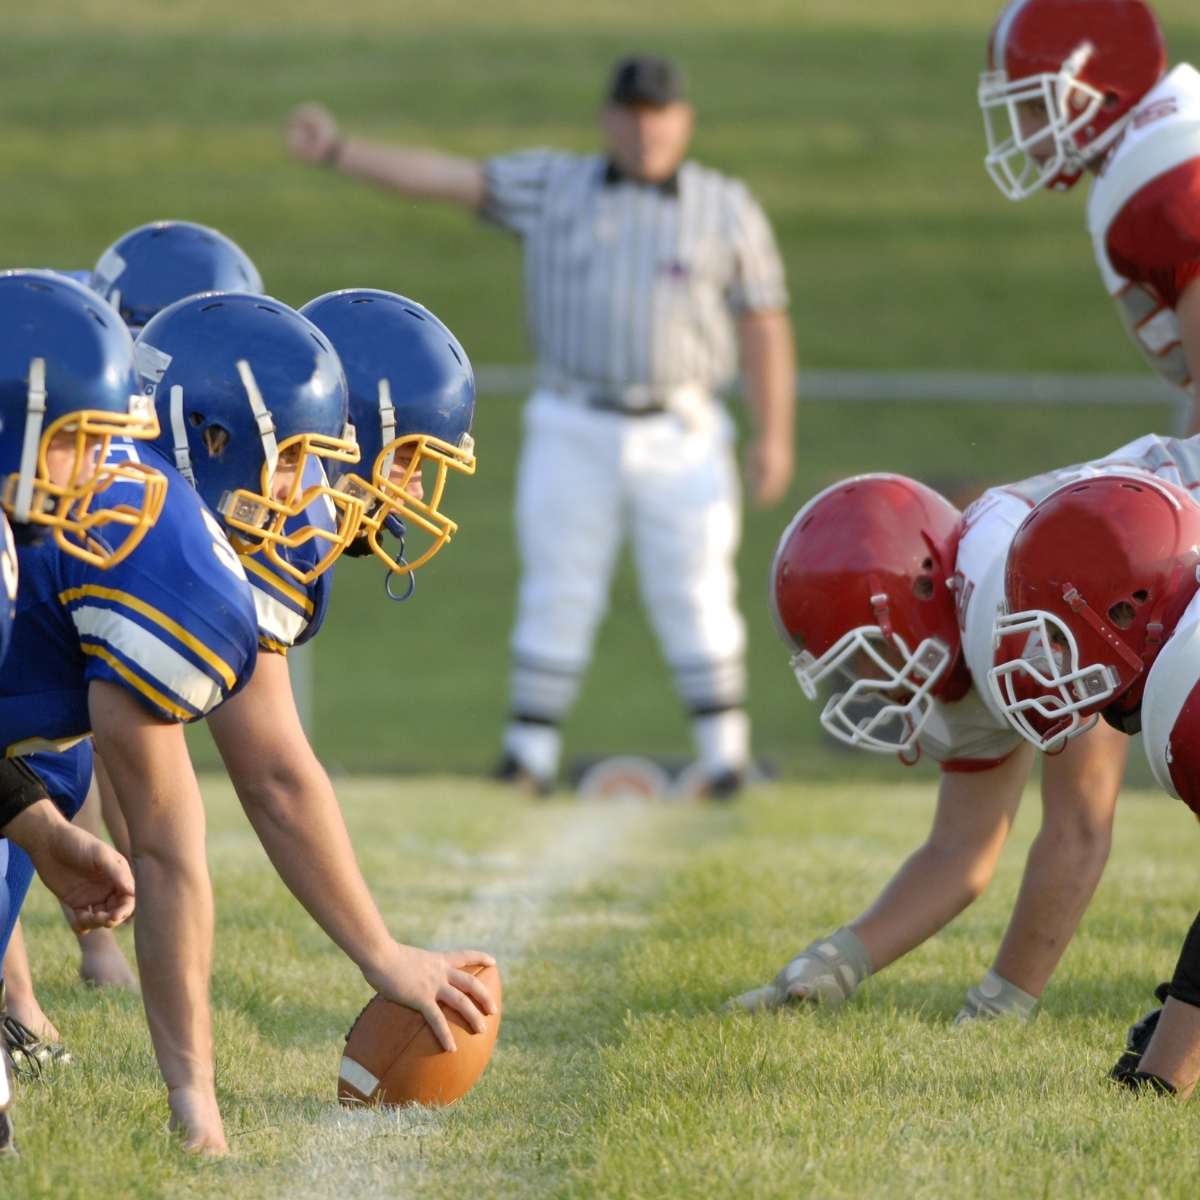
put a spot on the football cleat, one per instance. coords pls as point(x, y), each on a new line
point(510, 770)
point(1138, 1039)
point(27, 1055)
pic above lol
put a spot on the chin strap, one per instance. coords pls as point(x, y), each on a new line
point(35, 417)
point(262, 417)
point(387, 427)
point(1078, 604)
point(183, 456)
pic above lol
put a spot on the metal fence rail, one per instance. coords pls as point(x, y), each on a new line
point(962, 387)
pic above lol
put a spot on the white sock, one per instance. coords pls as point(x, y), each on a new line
point(722, 741)
point(535, 747)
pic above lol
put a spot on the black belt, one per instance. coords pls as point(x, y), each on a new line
point(614, 404)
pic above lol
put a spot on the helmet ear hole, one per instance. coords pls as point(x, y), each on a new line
point(1141, 596)
point(216, 438)
point(195, 419)
point(923, 587)
point(1121, 614)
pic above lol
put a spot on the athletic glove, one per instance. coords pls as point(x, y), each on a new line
point(825, 972)
point(995, 997)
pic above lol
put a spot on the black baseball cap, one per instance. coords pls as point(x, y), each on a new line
point(646, 79)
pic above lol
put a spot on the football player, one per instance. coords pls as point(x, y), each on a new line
point(66, 392)
point(412, 404)
point(883, 589)
point(1075, 87)
point(1102, 617)
point(142, 272)
point(253, 403)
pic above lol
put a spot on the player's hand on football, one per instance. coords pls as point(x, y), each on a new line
point(93, 882)
point(311, 132)
point(769, 465)
point(423, 979)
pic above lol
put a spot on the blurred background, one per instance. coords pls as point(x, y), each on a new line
point(855, 123)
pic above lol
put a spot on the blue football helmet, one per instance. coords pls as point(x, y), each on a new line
point(67, 388)
point(8, 584)
point(412, 401)
point(151, 267)
point(252, 401)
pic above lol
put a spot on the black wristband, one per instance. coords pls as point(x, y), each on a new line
point(332, 157)
point(20, 789)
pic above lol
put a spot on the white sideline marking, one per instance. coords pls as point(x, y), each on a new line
point(504, 916)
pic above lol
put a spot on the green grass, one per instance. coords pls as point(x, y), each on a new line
point(615, 1076)
point(854, 121)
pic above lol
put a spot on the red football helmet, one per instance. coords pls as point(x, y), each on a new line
point(1062, 78)
point(860, 588)
point(1097, 576)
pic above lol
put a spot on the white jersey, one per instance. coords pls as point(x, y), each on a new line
point(971, 733)
point(1172, 679)
point(1142, 221)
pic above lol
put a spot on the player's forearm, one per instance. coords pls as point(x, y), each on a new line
point(769, 373)
point(933, 886)
point(419, 173)
point(1060, 879)
point(295, 813)
point(174, 950)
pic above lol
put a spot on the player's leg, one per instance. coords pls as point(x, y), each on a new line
point(568, 515)
point(950, 870)
point(1063, 867)
point(686, 528)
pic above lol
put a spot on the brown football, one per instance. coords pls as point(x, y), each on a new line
point(392, 1057)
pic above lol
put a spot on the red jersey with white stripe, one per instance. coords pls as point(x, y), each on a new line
point(1144, 218)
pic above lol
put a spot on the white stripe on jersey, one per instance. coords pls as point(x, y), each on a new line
point(160, 664)
point(276, 620)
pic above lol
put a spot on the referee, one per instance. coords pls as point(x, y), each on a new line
point(647, 279)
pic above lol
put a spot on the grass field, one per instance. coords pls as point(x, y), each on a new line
point(620, 931)
point(854, 121)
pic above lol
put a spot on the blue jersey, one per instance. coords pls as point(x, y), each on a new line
point(173, 623)
point(289, 612)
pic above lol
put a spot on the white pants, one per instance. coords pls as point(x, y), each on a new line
point(585, 478)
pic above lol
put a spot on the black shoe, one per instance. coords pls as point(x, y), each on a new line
point(726, 786)
point(27, 1055)
point(1138, 1039)
point(512, 771)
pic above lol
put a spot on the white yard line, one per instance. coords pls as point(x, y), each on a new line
point(571, 846)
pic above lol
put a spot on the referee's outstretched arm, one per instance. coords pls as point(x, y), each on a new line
point(313, 136)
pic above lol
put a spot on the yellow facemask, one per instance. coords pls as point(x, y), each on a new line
point(65, 472)
point(398, 464)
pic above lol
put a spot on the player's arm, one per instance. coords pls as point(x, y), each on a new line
point(313, 136)
point(943, 876)
point(93, 881)
point(152, 776)
point(1187, 312)
point(769, 376)
point(1064, 865)
point(292, 806)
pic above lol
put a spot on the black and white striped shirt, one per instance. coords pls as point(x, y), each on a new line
point(632, 284)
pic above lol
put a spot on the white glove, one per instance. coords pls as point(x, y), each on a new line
point(825, 972)
point(995, 997)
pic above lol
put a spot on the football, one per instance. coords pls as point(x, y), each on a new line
point(393, 1058)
